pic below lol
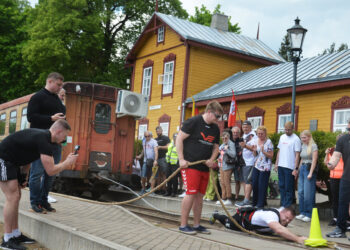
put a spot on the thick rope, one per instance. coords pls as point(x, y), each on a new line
point(137, 198)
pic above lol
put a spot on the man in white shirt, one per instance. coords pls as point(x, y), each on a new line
point(262, 221)
point(248, 137)
point(287, 160)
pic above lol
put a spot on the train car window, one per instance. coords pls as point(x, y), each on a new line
point(102, 118)
point(2, 123)
point(24, 121)
point(13, 121)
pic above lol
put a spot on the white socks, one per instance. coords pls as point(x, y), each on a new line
point(15, 233)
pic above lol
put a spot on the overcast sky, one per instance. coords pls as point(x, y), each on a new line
point(327, 21)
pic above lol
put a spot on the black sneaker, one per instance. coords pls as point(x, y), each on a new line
point(337, 233)
point(48, 207)
point(38, 209)
point(12, 244)
point(24, 239)
point(332, 223)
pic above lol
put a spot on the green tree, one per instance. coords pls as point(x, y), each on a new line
point(332, 49)
point(87, 40)
point(284, 49)
point(15, 78)
point(203, 16)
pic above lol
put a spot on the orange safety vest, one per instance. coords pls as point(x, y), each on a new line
point(337, 172)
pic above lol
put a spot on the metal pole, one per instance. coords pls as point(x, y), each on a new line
point(295, 63)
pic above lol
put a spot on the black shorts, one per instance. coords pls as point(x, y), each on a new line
point(8, 171)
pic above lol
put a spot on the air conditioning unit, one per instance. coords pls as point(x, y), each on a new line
point(131, 103)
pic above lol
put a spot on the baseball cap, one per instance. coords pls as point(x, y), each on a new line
point(247, 123)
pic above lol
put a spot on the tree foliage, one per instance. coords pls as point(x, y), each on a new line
point(284, 49)
point(332, 49)
point(87, 40)
point(15, 77)
point(203, 16)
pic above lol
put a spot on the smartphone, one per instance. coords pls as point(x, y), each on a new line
point(76, 149)
point(240, 139)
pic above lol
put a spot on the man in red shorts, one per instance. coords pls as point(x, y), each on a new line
point(197, 140)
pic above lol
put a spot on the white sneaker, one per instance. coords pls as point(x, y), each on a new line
point(306, 219)
point(182, 195)
point(51, 199)
point(299, 217)
point(218, 202)
point(228, 202)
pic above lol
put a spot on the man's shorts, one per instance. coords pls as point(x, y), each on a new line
point(195, 180)
point(146, 171)
point(245, 172)
point(163, 165)
point(8, 171)
point(237, 173)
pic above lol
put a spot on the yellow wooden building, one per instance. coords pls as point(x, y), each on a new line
point(264, 95)
point(174, 59)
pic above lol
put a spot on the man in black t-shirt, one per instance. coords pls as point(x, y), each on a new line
point(163, 143)
point(197, 140)
point(342, 149)
point(44, 108)
point(17, 151)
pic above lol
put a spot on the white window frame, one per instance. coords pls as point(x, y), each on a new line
point(256, 121)
point(165, 128)
point(168, 77)
point(160, 37)
point(147, 81)
point(142, 130)
point(343, 125)
point(280, 127)
point(24, 120)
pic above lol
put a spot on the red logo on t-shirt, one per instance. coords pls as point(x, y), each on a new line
point(209, 138)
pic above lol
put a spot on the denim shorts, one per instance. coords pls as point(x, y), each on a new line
point(245, 172)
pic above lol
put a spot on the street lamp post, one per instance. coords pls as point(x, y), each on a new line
point(296, 37)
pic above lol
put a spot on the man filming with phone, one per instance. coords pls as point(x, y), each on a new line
point(17, 151)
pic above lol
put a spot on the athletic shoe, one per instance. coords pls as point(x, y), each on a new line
point(187, 230)
point(337, 233)
point(148, 190)
point(24, 239)
point(12, 244)
point(207, 199)
point(218, 202)
point(348, 226)
point(212, 217)
point(50, 199)
point(300, 217)
point(38, 209)
point(183, 194)
point(228, 202)
point(48, 207)
point(202, 230)
point(306, 219)
point(333, 222)
point(243, 204)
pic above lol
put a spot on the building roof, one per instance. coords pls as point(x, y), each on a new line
point(220, 39)
point(312, 70)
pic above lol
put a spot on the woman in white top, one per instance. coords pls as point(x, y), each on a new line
point(307, 176)
point(263, 150)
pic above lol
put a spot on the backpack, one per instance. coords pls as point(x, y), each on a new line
point(246, 215)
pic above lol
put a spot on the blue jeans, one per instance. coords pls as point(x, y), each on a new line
point(343, 206)
point(260, 180)
point(286, 186)
point(306, 191)
point(39, 181)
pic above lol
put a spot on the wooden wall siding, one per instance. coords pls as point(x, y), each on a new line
point(208, 68)
point(312, 106)
point(171, 39)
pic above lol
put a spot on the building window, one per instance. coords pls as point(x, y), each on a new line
point(2, 123)
point(282, 119)
point(284, 115)
point(147, 81)
point(160, 34)
point(256, 121)
point(102, 123)
point(341, 118)
point(24, 121)
point(165, 127)
point(142, 130)
point(340, 114)
point(168, 77)
point(13, 121)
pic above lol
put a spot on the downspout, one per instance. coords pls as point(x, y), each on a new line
point(185, 83)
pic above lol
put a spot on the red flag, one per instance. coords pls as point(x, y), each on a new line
point(233, 111)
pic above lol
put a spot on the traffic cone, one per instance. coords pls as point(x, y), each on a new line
point(315, 238)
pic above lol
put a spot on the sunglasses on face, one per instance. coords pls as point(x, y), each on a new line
point(147, 136)
point(217, 116)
